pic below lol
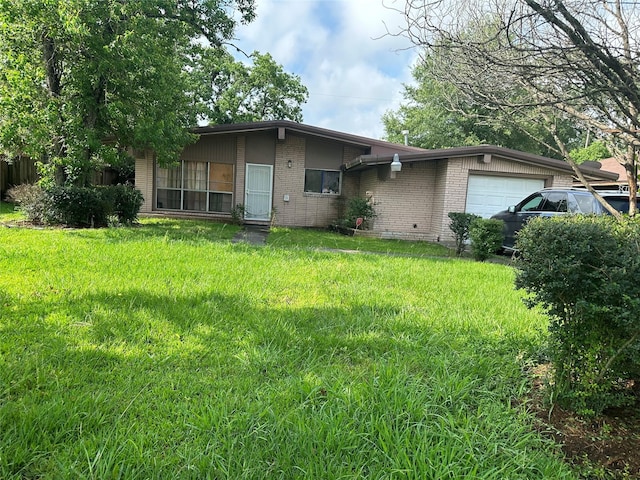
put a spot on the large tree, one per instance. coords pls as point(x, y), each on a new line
point(573, 59)
point(234, 91)
point(438, 115)
point(82, 81)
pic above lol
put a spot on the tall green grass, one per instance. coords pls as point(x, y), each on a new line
point(166, 351)
point(318, 239)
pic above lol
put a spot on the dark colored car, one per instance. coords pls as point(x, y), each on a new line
point(556, 201)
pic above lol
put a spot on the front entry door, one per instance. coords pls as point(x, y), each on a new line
point(258, 192)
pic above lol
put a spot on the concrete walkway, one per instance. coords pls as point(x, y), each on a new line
point(252, 234)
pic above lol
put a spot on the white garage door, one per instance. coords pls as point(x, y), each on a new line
point(487, 194)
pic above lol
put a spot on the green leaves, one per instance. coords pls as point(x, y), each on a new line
point(486, 236)
point(84, 81)
point(439, 114)
point(235, 92)
point(460, 225)
point(594, 152)
point(584, 270)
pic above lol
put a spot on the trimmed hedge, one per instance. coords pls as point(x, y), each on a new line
point(584, 271)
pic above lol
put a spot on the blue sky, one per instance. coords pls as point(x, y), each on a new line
point(352, 74)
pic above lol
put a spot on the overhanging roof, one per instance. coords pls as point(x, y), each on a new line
point(484, 151)
point(381, 152)
point(301, 128)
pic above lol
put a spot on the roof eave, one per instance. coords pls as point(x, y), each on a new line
point(301, 128)
point(365, 161)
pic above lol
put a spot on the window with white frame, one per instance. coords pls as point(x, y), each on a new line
point(322, 181)
point(195, 186)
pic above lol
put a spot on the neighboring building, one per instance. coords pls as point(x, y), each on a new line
point(303, 176)
point(613, 166)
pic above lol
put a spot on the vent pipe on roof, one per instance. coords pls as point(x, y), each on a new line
point(406, 136)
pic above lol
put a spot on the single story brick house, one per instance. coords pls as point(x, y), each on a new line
point(297, 175)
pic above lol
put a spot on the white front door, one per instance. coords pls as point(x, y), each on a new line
point(258, 192)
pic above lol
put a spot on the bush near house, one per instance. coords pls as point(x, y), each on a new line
point(460, 225)
point(584, 272)
point(78, 206)
point(486, 237)
point(359, 208)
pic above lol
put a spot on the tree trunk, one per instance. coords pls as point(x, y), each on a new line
point(631, 167)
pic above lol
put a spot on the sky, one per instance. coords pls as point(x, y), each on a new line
point(338, 48)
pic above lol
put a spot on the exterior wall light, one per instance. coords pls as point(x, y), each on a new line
point(396, 166)
point(289, 163)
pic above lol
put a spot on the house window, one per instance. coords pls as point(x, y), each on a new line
point(195, 187)
point(322, 181)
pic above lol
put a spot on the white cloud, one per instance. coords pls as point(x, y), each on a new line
point(354, 72)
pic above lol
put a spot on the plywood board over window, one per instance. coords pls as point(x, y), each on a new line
point(220, 187)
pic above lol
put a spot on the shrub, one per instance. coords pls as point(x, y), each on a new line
point(486, 237)
point(237, 214)
point(584, 271)
point(125, 202)
point(460, 225)
point(78, 206)
point(31, 199)
point(359, 208)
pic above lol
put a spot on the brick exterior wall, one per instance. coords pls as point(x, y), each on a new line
point(144, 180)
point(301, 209)
point(289, 181)
point(415, 205)
point(240, 171)
point(403, 204)
point(440, 199)
point(306, 209)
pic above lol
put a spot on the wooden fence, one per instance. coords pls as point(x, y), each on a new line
point(24, 171)
point(15, 173)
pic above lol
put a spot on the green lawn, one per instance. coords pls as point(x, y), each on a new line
point(313, 239)
point(165, 351)
point(9, 213)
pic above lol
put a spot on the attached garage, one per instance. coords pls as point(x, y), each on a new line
point(489, 194)
point(415, 200)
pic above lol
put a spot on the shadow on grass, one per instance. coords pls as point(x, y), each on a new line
point(213, 329)
point(110, 372)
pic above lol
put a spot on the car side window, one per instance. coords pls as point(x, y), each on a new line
point(580, 203)
point(621, 204)
point(533, 203)
point(555, 202)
